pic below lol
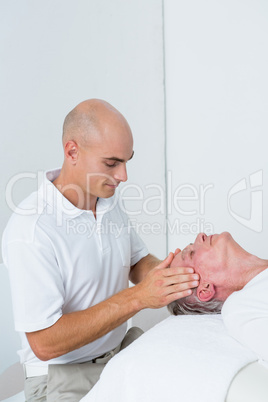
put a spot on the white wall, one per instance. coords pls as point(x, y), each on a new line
point(216, 64)
point(56, 54)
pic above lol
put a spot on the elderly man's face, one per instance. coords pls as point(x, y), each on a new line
point(208, 255)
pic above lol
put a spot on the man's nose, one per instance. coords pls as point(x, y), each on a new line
point(200, 238)
point(121, 173)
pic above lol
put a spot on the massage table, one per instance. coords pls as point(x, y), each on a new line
point(184, 359)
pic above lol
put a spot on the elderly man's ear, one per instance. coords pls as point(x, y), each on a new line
point(205, 291)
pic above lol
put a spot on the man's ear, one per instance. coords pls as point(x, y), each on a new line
point(205, 291)
point(71, 151)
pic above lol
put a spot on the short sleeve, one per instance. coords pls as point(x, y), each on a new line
point(138, 248)
point(36, 283)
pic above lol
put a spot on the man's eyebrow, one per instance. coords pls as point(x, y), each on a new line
point(114, 158)
point(183, 252)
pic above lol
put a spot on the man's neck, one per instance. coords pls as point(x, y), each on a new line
point(74, 193)
point(255, 266)
point(249, 267)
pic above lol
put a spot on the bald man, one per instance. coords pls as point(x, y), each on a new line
point(70, 261)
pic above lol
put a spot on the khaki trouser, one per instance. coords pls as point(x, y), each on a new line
point(70, 382)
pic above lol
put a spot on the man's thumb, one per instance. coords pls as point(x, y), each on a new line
point(167, 261)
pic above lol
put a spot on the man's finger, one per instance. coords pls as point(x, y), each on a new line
point(166, 262)
point(177, 251)
point(177, 279)
point(175, 296)
point(180, 287)
point(178, 271)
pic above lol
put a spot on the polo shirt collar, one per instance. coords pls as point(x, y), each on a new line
point(53, 197)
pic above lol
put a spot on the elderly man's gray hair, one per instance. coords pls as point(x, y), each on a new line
point(192, 305)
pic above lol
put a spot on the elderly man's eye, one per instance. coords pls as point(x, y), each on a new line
point(191, 254)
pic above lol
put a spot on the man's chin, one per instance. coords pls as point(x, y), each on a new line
point(108, 191)
point(227, 235)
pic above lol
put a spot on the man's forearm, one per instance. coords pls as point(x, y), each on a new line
point(158, 286)
point(74, 330)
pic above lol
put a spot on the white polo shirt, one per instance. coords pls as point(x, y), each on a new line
point(61, 259)
point(245, 314)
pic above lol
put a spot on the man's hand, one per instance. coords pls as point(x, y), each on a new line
point(177, 251)
point(159, 286)
point(163, 285)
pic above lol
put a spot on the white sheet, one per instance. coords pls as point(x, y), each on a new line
point(184, 359)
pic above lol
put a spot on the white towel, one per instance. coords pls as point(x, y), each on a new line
point(184, 359)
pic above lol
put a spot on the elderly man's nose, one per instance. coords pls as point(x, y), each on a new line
point(201, 237)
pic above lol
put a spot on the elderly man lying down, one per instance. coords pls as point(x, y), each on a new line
point(228, 274)
point(193, 357)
